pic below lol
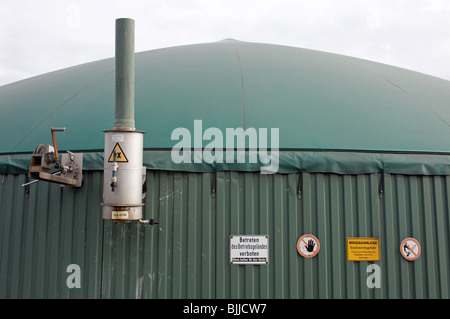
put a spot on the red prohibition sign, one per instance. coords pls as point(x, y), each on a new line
point(410, 249)
point(308, 246)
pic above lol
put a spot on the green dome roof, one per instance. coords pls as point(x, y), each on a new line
point(319, 101)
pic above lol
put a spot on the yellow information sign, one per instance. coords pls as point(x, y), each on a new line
point(363, 249)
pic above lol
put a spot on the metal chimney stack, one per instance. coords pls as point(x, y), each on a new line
point(124, 119)
point(123, 173)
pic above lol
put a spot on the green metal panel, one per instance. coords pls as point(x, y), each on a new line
point(45, 231)
point(187, 254)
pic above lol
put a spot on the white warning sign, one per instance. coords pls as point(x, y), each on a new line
point(410, 249)
point(249, 249)
point(308, 246)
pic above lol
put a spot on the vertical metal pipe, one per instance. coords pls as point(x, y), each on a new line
point(124, 115)
point(123, 174)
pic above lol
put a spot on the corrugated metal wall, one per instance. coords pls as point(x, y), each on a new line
point(187, 254)
point(45, 231)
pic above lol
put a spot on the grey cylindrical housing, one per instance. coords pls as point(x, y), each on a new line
point(124, 200)
point(124, 115)
point(123, 173)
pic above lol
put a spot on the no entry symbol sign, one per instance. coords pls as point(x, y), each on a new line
point(308, 246)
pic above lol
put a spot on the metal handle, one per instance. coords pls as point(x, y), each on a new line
point(56, 129)
point(37, 180)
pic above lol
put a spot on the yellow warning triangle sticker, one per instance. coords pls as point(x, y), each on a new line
point(120, 157)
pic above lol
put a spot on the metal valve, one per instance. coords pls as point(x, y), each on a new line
point(115, 166)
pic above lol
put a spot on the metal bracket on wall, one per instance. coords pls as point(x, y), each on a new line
point(300, 185)
point(381, 185)
point(213, 184)
point(27, 186)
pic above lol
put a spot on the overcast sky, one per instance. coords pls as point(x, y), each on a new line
point(37, 37)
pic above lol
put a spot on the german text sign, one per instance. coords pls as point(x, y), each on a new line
point(249, 249)
point(363, 249)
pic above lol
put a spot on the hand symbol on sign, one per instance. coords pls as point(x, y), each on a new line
point(310, 246)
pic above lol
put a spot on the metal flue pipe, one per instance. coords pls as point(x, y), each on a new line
point(123, 172)
point(124, 115)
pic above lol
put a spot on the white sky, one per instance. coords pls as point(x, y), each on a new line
point(39, 36)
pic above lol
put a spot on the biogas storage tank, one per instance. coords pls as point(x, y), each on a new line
point(273, 171)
